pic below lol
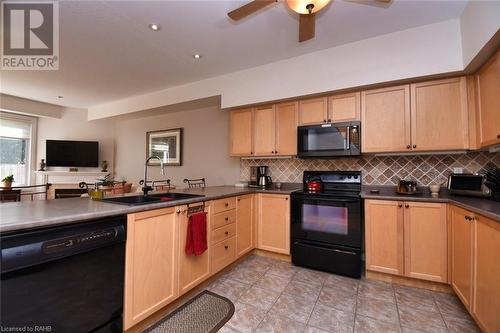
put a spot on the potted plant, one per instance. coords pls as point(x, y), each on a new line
point(106, 184)
point(7, 181)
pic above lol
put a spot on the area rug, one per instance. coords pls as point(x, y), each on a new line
point(206, 312)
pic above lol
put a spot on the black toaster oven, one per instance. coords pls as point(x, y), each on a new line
point(468, 184)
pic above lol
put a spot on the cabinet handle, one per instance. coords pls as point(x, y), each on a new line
point(276, 152)
point(408, 147)
point(286, 198)
point(227, 233)
point(178, 211)
point(227, 219)
point(498, 136)
point(226, 204)
point(226, 247)
point(239, 199)
point(407, 206)
point(251, 153)
point(414, 146)
point(400, 205)
point(272, 152)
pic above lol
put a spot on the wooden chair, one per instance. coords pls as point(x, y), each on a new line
point(195, 183)
point(10, 195)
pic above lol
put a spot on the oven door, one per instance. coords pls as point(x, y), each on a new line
point(333, 220)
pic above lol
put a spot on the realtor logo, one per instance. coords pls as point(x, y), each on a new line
point(30, 35)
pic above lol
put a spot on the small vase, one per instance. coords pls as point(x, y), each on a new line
point(42, 165)
point(6, 184)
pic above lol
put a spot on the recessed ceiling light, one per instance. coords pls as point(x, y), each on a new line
point(197, 56)
point(154, 27)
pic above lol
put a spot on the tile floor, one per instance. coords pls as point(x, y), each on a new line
point(274, 296)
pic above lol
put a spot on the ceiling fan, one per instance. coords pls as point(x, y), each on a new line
point(307, 10)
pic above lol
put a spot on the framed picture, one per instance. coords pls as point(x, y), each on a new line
point(165, 144)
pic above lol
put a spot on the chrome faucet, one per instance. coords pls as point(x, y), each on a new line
point(147, 188)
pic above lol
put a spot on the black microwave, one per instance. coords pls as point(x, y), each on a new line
point(329, 140)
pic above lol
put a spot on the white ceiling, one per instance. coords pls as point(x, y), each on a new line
point(107, 51)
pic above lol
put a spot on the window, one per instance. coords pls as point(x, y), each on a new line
point(17, 147)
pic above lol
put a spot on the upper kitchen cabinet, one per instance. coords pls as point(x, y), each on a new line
point(385, 115)
point(241, 136)
point(345, 107)
point(269, 130)
point(313, 111)
point(439, 118)
point(488, 91)
point(286, 128)
point(264, 131)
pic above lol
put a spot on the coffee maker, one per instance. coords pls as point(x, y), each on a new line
point(259, 176)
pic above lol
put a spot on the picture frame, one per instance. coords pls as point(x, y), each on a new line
point(165, 144)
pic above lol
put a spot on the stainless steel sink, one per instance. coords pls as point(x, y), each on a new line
point(151, 198)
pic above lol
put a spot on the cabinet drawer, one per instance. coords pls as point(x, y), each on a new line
point(224, 204)
point(224, 218)
point(223, 254)
point(223, 233)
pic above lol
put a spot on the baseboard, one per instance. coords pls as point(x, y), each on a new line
point(430, 285)
point(273, 255)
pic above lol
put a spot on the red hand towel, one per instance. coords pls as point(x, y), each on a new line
point(196, 242)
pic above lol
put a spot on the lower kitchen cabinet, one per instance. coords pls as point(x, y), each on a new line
point(407, 238)
point(487, 274)
point(273, 226)
point(244, 224)
point(192, 269)
point(384, 236)
point(462, 230)
point(151, 263)
point(426, 241)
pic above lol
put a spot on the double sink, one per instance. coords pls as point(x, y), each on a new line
point(134, 200)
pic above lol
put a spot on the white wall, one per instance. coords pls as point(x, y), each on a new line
point(421, 51)
point(29, 107)
point(479, 22)
point(73, 125)
point(205, 145)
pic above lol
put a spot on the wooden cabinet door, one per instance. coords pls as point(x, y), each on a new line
point(439, 117)
point(151, 263)
point(264, 131)
point(244, 224)
point(192, 269)
point(385, 120)
point(274, 223)
point(286, 128)
point(313, 111)
point(461, 254)
point(487, 274)
point(384, 236)
point(241, 132)
point(345, 107)
point(488, 90)
point(426, 241)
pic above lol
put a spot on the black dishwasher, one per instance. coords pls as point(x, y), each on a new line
point(64, 279)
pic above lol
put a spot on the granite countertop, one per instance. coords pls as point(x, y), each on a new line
point(486, 207)
point(24, 215)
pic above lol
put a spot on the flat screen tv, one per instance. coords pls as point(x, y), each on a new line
point(72, 153)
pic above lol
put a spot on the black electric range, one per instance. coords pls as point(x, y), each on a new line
point(326, 225)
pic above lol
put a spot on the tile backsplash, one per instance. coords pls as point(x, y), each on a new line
point(379, 170)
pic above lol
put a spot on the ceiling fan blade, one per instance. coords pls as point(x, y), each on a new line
point(249, 9)
point(307, 24)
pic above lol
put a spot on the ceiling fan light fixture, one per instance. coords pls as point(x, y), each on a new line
point(307, 6)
